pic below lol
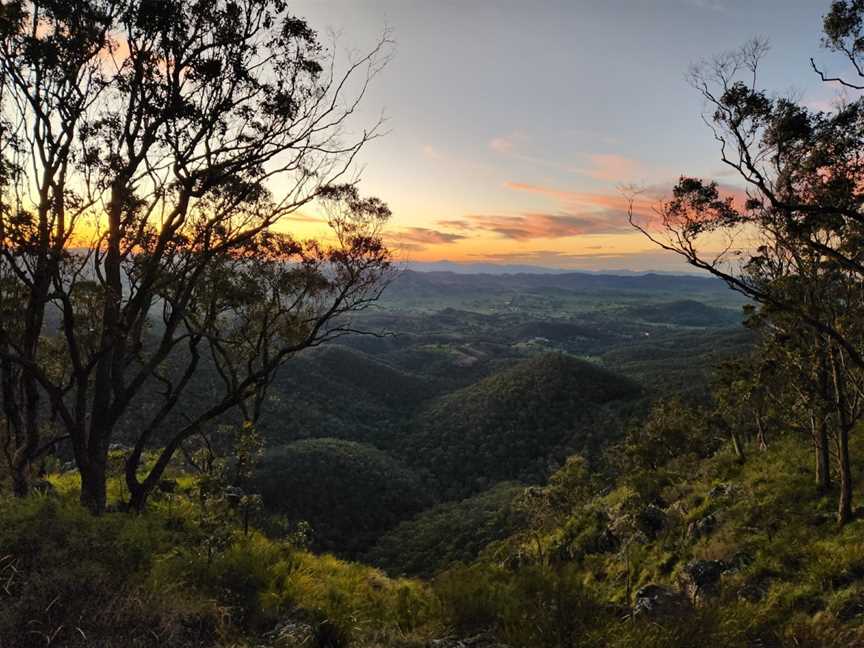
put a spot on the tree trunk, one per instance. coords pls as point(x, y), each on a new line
point(845, 423)
point(138, 497)
point(736, 445)
point(760, 435)
point(20, 479)
point(93, 486)
point(823, 463)
point(844, 508)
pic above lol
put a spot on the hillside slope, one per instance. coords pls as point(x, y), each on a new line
point(350, 493)
point(516, 424)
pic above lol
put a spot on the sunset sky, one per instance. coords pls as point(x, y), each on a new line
point(512, 125)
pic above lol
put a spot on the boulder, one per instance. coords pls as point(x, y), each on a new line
point(119, 447)
point(656, 601)
point(233, 495)
point(700, 579)
point(478, 641)
point(293, 633)
point(702, 527)
point(721, 490)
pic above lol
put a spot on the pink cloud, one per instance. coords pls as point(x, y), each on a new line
point(535, 225)
point(424, 236)
point(618, 201)
point(612, 168)
point(507, 144)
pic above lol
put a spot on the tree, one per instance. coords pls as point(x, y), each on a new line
point(152, 152)
point(793, 242)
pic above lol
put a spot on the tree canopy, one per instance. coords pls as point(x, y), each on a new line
point(152, 153)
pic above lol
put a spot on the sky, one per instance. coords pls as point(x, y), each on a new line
point(512, 125)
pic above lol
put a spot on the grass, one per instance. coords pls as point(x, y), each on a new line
point(162, 579)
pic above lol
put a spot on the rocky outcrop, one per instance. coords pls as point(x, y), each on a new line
point(702, 527)
point(478, 641)
point(655, 601)
point(640, 526)
point(699, 580)
point(721, 490)
point(292, 633)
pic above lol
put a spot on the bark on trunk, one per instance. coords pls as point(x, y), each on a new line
point(760, 434)
point(844, 508)
point(823, 463)
point(736, 446)
point(138, 498)
point(21, 480)
point(93, 486)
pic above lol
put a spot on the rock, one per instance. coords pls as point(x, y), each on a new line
point(292, 633)
point(702, 527)
point(478, 641)
point(656, 601)
point(233, 495)
point(721, 490)
point(119, 447)
point(700, 579)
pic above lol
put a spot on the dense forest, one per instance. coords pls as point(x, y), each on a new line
point(216, 434)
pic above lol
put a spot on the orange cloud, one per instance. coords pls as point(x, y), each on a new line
point(609, 262)
point(524, 227)
point(643, 202)
point(426, 236)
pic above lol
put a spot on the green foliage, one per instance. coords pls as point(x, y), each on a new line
point(348, 492)
point(673, 429)
point(533, 606)
point(120, 580)
point(449, 533)
point(686, 312)
point(516, 423)
point(75, 580)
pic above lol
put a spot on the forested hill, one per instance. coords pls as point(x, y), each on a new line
point(413, 284)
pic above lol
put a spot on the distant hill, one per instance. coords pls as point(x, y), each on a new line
point(685, 312)
point(516, 424)
point(426, 284)
point(339, 392)
point(349, 492)
point(514, 268)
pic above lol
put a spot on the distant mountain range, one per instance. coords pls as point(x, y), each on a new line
point(457, 267)
point(426, 283)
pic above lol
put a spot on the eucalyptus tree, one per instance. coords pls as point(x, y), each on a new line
point(154, 153)
point(793, 241)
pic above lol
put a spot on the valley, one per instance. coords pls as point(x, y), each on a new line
point(470, 384)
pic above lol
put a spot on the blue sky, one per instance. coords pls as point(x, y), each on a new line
point(513, 124)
